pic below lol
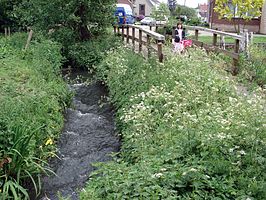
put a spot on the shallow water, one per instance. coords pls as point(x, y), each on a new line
point(88, 136)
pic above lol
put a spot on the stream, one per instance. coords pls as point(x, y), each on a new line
point(88, 136)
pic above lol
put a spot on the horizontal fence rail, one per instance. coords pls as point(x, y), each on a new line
point(241, 41)
point(144, 37)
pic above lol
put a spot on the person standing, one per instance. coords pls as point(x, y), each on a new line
point(180, 35)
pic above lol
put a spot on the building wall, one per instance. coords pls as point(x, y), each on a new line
point(148, 7)
point(125, 2)
point(263, 20)
point(228, 25)
point(231, 27)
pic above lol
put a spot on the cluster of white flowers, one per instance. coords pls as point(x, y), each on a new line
point(157, 175)
point(194, 98)
point(190, 170)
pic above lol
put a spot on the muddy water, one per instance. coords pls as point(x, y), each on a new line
point(88, 136)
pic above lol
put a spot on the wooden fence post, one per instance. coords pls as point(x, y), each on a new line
point(150, 27)
point(222, 41)
point(148, 45)
point(127, 34)
point(9, 31)
point(156, 29)
point(29, 39)
point(5, 32)
point(123, 33)
point(235, 61)
point(140, 40)
point(133, 37)
point(160, 50)
point(196, 34)
point(251, 37)
point(214, 39)
point(115, 29)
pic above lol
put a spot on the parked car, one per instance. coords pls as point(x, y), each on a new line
point(161, 22)
point(148, 21)
point(124, 14)
point(140, 17)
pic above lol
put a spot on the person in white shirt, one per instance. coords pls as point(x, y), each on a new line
point(180, 35)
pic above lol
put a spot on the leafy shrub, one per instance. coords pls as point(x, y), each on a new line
point(194, 21)
point(32, 99)
point(167, 30)
point(186, 133)
point(91, 53)
point(254, 69)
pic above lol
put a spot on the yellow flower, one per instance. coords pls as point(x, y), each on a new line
point(49, 142)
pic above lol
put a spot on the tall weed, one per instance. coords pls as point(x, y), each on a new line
point(32, 99)
point(254, 68)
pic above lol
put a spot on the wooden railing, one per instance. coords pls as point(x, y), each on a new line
point(145, 34)
point(142, 36)
point(215, 46)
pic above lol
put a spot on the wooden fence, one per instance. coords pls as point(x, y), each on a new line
point(145, 34)
point(216, 48)
point(142, 36)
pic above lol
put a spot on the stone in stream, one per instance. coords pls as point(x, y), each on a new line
point(88, 136)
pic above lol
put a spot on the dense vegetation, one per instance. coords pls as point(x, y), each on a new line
point(67, 21)
point(253, 69)
point(32, 94)
point(32, 99)
point(186, 132)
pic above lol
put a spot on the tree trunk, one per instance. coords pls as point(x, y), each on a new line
point(82, 29)
point(263, 19)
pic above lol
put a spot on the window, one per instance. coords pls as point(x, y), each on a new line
point(141, 9)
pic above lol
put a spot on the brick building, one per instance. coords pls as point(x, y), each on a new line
point(254, 25)
point(203, 10)
point(263, 20)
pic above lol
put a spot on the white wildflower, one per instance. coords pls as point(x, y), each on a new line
point(242, 152)
point(193, 170)
point(157, 175)
point(231, 150)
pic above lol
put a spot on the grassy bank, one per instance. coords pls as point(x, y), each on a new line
point(32, 99)
point(186, 133)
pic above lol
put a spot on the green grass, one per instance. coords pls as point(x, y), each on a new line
point(186, 134)
point(32, 99)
